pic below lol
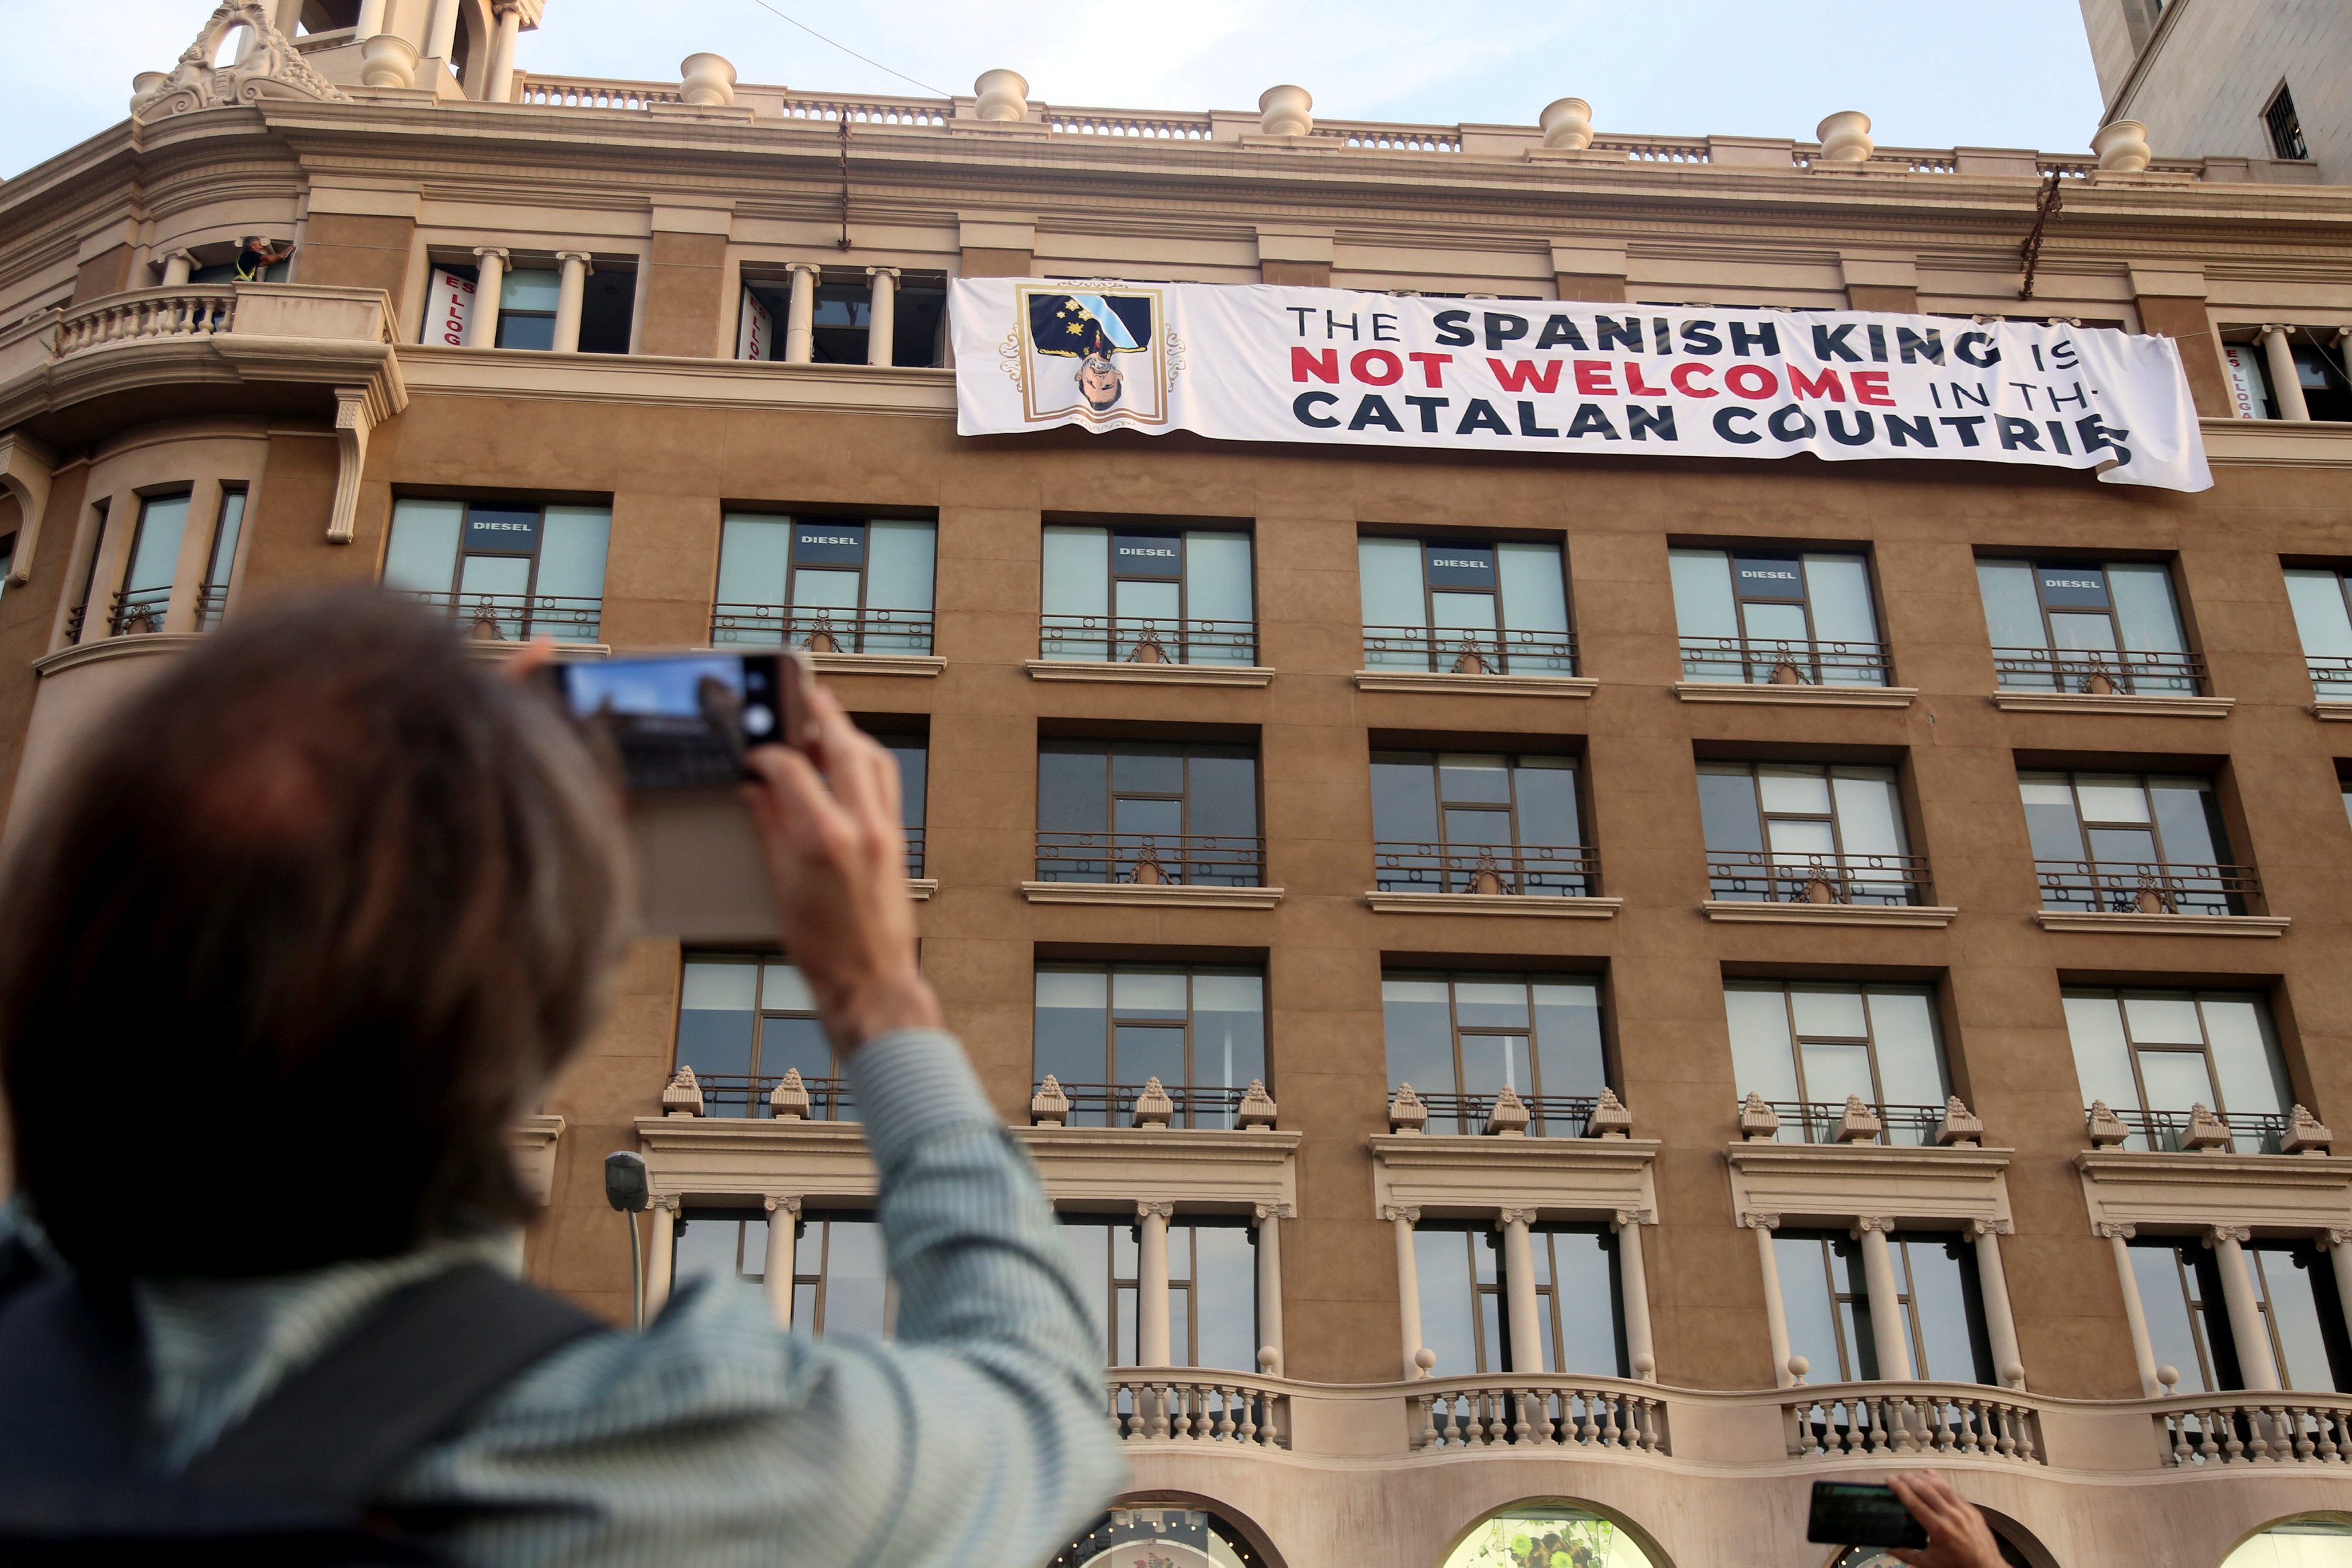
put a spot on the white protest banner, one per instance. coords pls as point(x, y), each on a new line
point(448, 307)
point(1257, 362)
point(755, 333)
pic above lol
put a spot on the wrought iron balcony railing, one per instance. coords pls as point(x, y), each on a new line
point(822, 631)
point(914, 852)
point(1780, 877)
point(1763, 663)
point(1113, 1104)
point(2330, 676)
point(517, 617)
point(1548, 1116)
point(1817, 1122)
point(1454, 651)
point(139, 611)
point(2146, 887)
point(1556, 871)
point(2251, 1132)
point(2098, 672)
point(743, 1094)
point(1144, 639)
point(212, 604)
point(1189, 860)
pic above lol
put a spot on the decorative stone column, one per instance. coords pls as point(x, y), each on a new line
point(2253, 1340)
point(441, 32)
point(783, 1223)
point(1151, 1330)
point(570, 288)
point(1519, 1288)
point(662, 1217)
point(482, 321)
point(498, 86)
point(1992, 1283)
point(2339, 1254)
point(176, 267)
point(1270, 1216)
point(1888, 1327)
point(1408, 1283)
point(371, 21)
point(2286, 387)
point(882, 315)
point(1776, 1310)
point(800, 314)
point(1635, 1280)
point(2135, 1311)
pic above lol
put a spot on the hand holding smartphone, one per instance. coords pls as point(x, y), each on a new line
point(681, 726)
point(1856, 1513)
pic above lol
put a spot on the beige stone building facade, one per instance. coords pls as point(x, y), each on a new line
point(1866, 945)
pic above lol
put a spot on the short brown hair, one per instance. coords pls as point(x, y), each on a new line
point(310, 920)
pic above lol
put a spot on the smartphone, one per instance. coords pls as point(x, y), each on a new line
point(1858, 1513)
point(679, 725)
point(683, 721)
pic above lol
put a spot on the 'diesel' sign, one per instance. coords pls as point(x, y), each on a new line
point(1264, 363)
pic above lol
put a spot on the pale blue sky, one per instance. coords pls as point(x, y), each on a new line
point(2005, 73)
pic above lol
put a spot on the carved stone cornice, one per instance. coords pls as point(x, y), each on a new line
point(1834, 1183)
point(1459, 1176)
point(2297, 1195)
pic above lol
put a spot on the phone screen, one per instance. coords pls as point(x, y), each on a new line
point(1855, 1513)
point(679, 721)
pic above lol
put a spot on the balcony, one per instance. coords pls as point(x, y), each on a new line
point(1471, 1115)
point(1749, 662)
point(1110, 640)
point(1169, 1413)
point(519, 618)
point(1815, 1122)
point(1460, 652)
point(1517, 870)
point(1214, 1105)
point(1151, 860)
point(1777, 887)
point(2144, 887)
point(822, 631)
point(2192, 1132)
point(2099, 672)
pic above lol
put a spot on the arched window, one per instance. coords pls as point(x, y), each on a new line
point(2314, 1541)
point(1550, 1535)
point(1162, 1533)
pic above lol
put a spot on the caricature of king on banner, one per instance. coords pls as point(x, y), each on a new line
point(1332, 366)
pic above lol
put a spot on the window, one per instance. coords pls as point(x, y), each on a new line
point(719, 1244)
point(1826, 1298)
point(2132, 843)
point(1212, 1287)
point(1539, 1535)
point(832, 585)
point(1465, 607)
point(841, 1276)
point(7, 559)
point(509, 570)
point(745, 1020)
point(213, 602)
point(1800, 832)
point(2151, 1055)
point(1106, 1030)
point(1765, 618)
point(527, 298)
point(2285, 127)
point(840, 317)
point(1455, 822)
point(2189, 1328)
point(913, 755)
point(1466, 1309)
point(1149, 812)
point(1460, 1039)
point(1807, 1046)
point(2321, 620)
point(154, 560)
point(1149, 596)
point(2086, 626)
point(1143, 1533)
